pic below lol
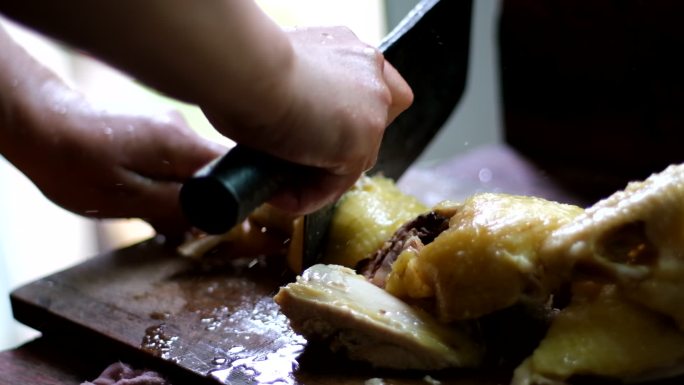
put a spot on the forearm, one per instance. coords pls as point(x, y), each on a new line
point(222, 54)
point(22, 82)
point(89, 160)
point(317, 97)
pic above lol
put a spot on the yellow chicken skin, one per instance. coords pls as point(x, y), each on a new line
point(486, 260)
point(603, 334)
point(365, 217)
point(635, 239)
point(623, 257)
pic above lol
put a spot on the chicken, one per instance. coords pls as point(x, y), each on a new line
point(486, 260)
point(333, 304)
point(634, 238)
point(626, 317)
point(409, 238)
point(602, 334)
point(365, 217)
point(466, 263)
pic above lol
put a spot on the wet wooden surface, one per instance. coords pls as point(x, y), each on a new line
point(212, 319)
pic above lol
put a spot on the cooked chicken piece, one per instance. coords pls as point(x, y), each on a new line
point(634, 238)
point(335, 305)
point(410, 237)
point(365, 217)
point(486, 260)
point(603, 334)
point(624, 258)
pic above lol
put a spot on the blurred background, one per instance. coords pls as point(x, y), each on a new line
point(38, 238)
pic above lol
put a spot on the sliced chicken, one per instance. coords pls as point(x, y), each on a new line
point(335, 305)
point(410, 237)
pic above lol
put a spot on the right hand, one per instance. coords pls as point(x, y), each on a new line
point(334, 103)
point(318, 97)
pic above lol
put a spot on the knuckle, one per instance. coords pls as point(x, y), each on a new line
point(375, 55)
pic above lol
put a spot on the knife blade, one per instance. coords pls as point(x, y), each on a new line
point(429, 48)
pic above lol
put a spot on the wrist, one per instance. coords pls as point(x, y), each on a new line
point(260, 88)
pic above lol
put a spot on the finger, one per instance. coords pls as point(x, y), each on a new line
point(309, 193)
point(402, 96)
point(152, 200)
point(176, 157)
point(155, 202)
point(162, 210)
point(195, 155)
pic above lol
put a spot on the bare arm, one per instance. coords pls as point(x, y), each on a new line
point(187, 49)
point(318, 97)
point(88, 160)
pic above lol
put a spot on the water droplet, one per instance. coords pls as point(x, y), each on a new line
point(326, 37)
point(219, 360)
point(485, 175)
point(158, 342)
point(236, 349)
point(370, 51)
point(160, 316)
point(221, 375)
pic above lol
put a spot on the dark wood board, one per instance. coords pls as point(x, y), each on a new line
point(212, 319)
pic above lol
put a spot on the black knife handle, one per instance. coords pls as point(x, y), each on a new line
point(224, 192)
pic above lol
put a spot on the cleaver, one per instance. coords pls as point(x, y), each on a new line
point(429, 48)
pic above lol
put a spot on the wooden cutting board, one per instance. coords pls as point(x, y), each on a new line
point(211, 319)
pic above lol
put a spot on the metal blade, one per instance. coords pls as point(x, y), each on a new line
point(429, 48)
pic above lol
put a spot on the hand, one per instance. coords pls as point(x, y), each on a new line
point(104, 165)
point(318, 97)
point(335, 103)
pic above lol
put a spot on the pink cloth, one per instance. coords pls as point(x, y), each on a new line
point(122, 374)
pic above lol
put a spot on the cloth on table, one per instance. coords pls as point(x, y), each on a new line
point(122, 374)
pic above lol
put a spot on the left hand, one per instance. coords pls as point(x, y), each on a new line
point(105, 165)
